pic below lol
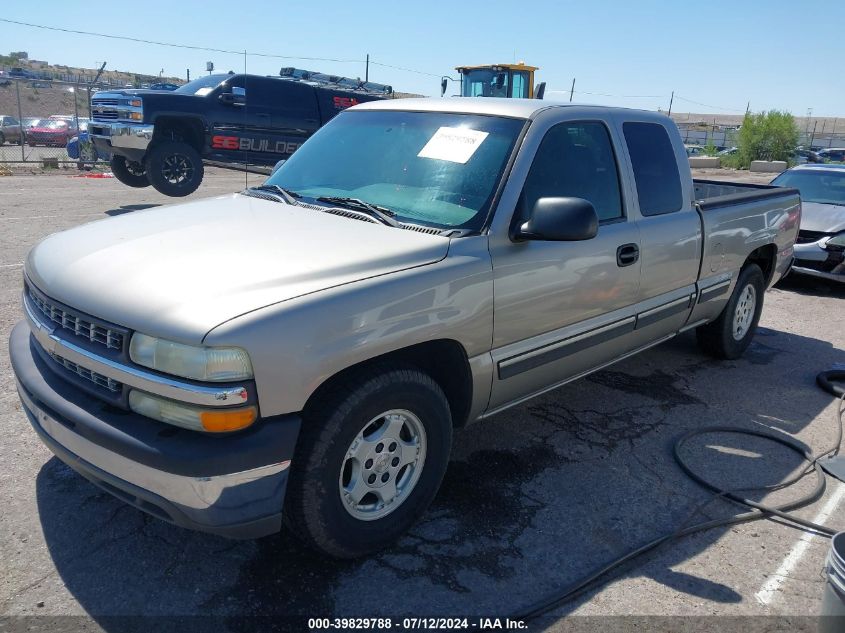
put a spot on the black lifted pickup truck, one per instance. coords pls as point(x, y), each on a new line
point(161, 138)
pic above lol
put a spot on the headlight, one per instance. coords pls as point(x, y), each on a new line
point(837, 241)
point(190, 417)
point(212, 364)
point(136, 116)
point(135, 103)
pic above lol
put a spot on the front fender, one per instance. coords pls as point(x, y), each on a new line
point(296, 345)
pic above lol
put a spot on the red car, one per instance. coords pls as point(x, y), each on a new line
point(54, 132)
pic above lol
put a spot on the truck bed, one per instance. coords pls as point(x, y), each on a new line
point(710, 194)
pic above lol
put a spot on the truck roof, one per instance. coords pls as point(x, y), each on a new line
point(515, 108)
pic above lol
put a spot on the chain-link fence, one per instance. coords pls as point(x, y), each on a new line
point(40, 117)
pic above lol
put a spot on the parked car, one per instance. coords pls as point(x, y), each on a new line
point(164, 86)
point(81, 148)
point(10, 130)
point(337, 323)
point(21, 73)
point(161, 138)
point(694, 150)
point(820, 249)
point(803, 156)
point(832, 154)
point(730, 151)
point(51, 133)
point(28, 122)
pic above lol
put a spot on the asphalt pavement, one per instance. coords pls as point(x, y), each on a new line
point(534, 498)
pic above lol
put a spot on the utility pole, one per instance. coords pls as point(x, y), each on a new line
point(748, 108)
point(188, 73)
point(671, 100)
point(813, 135)
point(20, 114)
point(96, 79)
point(367, 69)
point(572, 90)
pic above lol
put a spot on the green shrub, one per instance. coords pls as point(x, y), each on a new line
point(769, 135)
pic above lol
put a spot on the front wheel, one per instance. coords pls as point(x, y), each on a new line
point(369, 461)
point(729, 335)
point(174, 168)
point(129, 172)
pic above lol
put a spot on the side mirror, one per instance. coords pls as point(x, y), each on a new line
point(230, 98)
point(559, 220)
point(444, 83)
point(540, 90)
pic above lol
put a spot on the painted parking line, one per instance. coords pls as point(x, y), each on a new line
point(774, 583)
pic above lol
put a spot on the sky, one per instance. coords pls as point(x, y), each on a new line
point(716, 56)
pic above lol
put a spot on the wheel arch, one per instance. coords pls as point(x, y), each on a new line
point(445, 360)
point(180, 128)
point(765, 257)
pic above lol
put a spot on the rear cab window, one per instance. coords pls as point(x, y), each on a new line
point(655, 168)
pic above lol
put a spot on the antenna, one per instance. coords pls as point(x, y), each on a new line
point(246, 105)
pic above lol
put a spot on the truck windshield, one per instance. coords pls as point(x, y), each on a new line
point(823, 186)
point(430, 168)
point(202, 86)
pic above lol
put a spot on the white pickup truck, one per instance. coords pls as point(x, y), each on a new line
point(303, 350)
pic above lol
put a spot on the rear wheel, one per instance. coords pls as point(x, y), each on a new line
point(129, 172)
point(174, 168)
point(729, 335)
point(2, 138)
point(369, 461)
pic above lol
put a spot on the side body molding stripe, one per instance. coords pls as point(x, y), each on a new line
point(550, 353)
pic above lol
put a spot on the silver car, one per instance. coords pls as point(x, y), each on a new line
point(820, 249)
point(10, 130)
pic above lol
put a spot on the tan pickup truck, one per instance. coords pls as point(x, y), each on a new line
point(303, 350)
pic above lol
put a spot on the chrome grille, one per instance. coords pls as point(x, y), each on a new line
point(104, 115)
point(98, 379)
point(104, 102)
point(76, 323)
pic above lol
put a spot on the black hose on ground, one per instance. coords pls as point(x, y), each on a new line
point(758, 510)
point(825, 381)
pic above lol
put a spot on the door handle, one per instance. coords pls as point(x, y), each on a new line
point(627, 254)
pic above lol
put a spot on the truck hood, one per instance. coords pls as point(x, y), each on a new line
point(825, 218)
point(178, 271)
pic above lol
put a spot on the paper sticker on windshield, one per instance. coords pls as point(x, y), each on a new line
point(455, 144)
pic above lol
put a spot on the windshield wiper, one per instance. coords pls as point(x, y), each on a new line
point(382, 214)
point(287, 195)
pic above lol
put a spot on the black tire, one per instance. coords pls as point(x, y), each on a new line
point(2, 138)
point(718, 338)
point(129, 172)
point(174, 168)
point(314, 509)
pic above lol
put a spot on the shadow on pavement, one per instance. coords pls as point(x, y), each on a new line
point(128, 208)
point(534, 499)
point(813, 287)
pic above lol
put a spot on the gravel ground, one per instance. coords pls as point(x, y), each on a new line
point(534, 498)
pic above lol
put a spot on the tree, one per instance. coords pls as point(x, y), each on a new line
point(769, 135)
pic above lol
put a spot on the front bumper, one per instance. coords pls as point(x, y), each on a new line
point(124, 139)
point(229, 485)
point(814, 260)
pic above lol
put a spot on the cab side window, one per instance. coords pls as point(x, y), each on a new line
point(576, 160)
point(655, 168)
